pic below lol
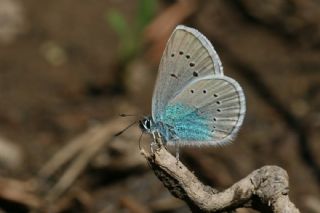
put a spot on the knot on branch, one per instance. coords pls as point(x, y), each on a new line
point(270, 182)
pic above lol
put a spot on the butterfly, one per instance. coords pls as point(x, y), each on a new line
point(193, 102)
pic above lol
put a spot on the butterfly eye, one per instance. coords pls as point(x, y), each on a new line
point(147, 124)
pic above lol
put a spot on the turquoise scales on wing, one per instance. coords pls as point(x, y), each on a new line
point(186, 123)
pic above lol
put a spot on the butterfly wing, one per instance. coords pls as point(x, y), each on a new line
point(188, 56)
point(208, 111)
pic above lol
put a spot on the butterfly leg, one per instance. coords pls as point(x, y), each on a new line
point(153, 143)
point(157, 141)
point(177, 151)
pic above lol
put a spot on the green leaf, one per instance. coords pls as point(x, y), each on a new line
point(117, 21)
point(146, 11)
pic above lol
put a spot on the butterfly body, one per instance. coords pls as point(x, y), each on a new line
point(178, 122)
point(194, 103)
point(148, 125)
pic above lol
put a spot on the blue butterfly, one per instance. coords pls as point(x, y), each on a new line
point(193, 102)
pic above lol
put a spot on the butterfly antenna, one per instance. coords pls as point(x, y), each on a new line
point(122, 131)
point(127, 115)
point(140, 140)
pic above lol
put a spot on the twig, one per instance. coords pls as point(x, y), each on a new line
point(82, 149)
point(265, 189)
point(67, 153)
point(19, 192)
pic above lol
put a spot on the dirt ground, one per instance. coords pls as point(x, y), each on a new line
point(63, 82)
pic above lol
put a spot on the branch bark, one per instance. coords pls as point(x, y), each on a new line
point(265, 189)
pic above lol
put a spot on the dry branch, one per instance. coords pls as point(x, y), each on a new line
point(78, 153)
point(265, 189)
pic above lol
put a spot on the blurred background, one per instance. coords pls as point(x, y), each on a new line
point(69, 68)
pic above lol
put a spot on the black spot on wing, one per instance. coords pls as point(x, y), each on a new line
point(174, 76)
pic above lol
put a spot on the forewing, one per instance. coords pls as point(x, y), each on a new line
point(188, 56)
point(220, 107)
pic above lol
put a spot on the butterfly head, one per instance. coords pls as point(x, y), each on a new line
point(146, 124)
